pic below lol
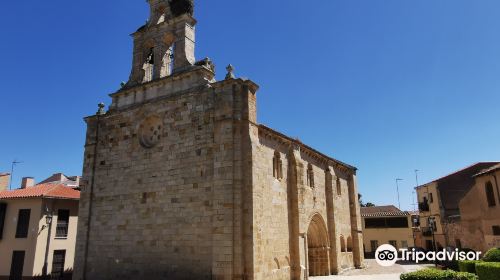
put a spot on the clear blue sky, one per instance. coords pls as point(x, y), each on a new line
point(388, 86)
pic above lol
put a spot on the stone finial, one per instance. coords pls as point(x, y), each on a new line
point(101, 110)
point(230, 72)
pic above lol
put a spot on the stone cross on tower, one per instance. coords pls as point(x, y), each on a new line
point(165, 44)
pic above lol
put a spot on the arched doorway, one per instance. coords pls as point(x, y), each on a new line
point(318, 247)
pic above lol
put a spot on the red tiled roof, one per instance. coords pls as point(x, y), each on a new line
point(44, 190)
point(382, 211)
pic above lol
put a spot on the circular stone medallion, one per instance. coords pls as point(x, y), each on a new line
point(150, 131)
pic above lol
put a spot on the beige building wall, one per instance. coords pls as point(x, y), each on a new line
point(384, 235)
point(428, 191)
point(477, 219)
point(10, 243)
point(35, 244)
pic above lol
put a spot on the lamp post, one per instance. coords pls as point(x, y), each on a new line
point(431, 221)
point(415, 221)
point(48, 221)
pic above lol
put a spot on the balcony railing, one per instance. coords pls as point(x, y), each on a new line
point(426, 231)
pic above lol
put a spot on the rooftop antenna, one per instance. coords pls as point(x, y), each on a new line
point(14, 163)
point(397, 187)
point(415, 192)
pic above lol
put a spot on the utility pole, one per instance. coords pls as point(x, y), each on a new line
point(397, 188)
point(415, 192)
point(14, 163)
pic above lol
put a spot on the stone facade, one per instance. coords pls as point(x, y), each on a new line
point(479, 224)
point(451, 200)
point(181, 182)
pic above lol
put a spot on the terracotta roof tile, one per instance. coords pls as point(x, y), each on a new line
point(382, 211)
point(44, 190)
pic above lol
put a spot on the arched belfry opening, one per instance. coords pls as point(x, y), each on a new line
point(165, 44)
point(318, 247)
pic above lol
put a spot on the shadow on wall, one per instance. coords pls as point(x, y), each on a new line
point(66, 275)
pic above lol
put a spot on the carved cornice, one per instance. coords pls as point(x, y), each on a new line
point(284, 140)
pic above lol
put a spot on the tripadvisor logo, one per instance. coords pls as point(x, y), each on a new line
point(386, 255)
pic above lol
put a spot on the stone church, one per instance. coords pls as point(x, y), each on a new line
point(182, 182)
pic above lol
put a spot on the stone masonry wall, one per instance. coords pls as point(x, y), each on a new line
point(173, 209)
point(274, 215)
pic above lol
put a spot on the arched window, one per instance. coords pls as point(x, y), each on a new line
point(342, 244)
point(167, 63)
point(310, 175)
point(277, 166)
point(339, 187)
point(149, 65)
point(490, 195)
point(349, 244)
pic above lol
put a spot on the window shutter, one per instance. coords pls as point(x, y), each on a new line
point(3, 212)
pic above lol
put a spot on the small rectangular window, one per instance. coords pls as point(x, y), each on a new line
point(496, 230)
point(458, 243)
point(404, 244)
point(58, 265)
point(17, 265)
point(62, 223)
point(431, 198)
point(3, 212)
point(374, 245)
point(23, 223)
point(394, 243)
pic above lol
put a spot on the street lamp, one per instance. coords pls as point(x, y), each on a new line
point(48, 221)
point(431, 222)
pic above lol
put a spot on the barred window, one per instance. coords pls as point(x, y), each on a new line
point(58, 265)
point(62, 223)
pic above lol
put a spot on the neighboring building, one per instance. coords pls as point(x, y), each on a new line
point(440, 200)
point(61, 179)
point(479, 226)
point(386, 225)
point(4, 181)
point(415, 223)
point(181, 182)
point(24, 231)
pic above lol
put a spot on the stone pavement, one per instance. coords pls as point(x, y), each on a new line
point(374, 272)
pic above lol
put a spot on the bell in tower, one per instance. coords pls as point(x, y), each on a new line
point(165, 44)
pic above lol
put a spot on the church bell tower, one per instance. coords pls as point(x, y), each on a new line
point(165, 44)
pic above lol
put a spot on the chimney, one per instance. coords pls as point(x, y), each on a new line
point(4, 181)
point(27, 182)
